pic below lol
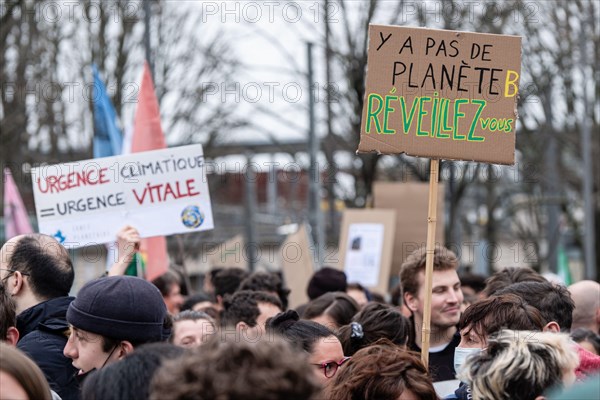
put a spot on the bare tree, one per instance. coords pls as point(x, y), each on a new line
point(553, 112)
point(552, 33)
point(46, 52)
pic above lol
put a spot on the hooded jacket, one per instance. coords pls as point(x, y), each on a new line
point(44, 333)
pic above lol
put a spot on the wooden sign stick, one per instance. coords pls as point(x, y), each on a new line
point(430, 249)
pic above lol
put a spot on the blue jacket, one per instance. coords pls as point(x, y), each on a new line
point(43, 329)
point(462, 393)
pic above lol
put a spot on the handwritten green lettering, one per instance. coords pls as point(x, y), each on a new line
point(472, 137)
point(386, 114)
point(457, 115)
point(373, 114)
point(407, 120)
point(422, 113)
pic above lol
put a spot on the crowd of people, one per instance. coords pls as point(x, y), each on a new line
point(514, 335)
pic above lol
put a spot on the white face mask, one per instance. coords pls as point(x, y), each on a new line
point(461, 354)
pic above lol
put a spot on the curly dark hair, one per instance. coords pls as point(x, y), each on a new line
point(226, 281)
point(267, 282)
point(263, 370)
point(375, 321)
point(242, 306)
point(382, 371)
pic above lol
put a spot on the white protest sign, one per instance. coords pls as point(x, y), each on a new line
point(363, 253)
point(160, 192)
point(366, 246)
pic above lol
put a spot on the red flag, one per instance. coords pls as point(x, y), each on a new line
point(16, 221)
point(148, 135)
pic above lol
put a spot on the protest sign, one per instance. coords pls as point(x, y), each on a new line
point(160, 192)
point(441, 94)
point(230, 254)
point(409, 199)
point(366, 247)
point(297, 265)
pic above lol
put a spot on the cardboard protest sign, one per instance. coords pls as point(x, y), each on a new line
point(160, 192)
point(230, 254)
point(297, 264)
point(441, 94)
point(409, 199)
point(366, 247)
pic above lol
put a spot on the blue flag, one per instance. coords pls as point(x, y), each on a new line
point(108, 139)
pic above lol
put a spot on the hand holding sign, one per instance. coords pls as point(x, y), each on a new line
point(128, 243)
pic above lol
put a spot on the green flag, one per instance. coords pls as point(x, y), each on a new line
point(137, 266)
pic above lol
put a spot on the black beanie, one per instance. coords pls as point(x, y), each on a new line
point(326, 280)
point(120, 307)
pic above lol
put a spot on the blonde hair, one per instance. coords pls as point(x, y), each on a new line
point(520, 365)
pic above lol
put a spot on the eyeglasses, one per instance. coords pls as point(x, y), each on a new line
point(12, 271)
point(330, 367)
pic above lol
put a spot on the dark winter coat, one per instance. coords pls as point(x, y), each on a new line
point(43, 333)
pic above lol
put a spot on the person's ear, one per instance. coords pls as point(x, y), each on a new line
point(125, 347)
point(551, 326)
point(17, 284)
point(411, 301)
point(241, 326)
point(12, 336)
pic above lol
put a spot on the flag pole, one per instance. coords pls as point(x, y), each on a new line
point(430, 249)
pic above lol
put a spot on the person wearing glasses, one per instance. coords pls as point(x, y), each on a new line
point(383, 370)
point(324, 349)
point(37, 274)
